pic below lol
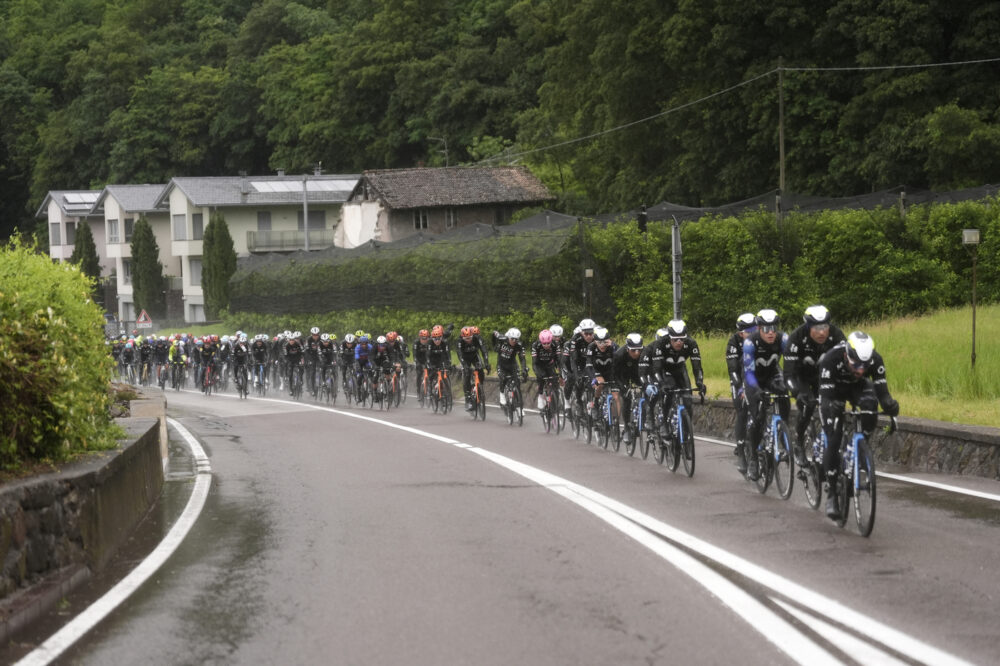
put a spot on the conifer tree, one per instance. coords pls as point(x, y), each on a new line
point(218, 265)
point(85, 251)
point(148, 290)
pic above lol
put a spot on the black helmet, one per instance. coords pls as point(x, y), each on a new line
point(745, 321)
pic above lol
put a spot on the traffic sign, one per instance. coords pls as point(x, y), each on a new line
point(143, 321)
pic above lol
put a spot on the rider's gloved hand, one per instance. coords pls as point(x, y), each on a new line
point(701, 388)
point(891, 407)
point(651, 391)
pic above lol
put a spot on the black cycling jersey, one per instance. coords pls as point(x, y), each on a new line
point(600, 362)
point(626, 368)
point(470, 352)
point(259, 351)
point(674, 361)
point(509, 357)
point(545, 361)
point(802, 355)
point(438, 355)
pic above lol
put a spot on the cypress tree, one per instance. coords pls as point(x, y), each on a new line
point(147, 272)
point(85, 251)
point(218, 265)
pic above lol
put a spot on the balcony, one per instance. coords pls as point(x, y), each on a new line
point(288, 241)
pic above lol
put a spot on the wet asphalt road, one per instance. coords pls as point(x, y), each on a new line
point(329, 539)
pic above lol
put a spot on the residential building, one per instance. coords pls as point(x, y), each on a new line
point(65, 211)
point(121, 206)
point(391, 204)
point(263, 213)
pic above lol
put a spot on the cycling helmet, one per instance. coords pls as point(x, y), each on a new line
point(424, 333)
point(359, 333)
point(545, 337)
point(288, 334)
point(297, 334)
point(314, 330)
point(475, 330)
point(633, 341)
point(577, 330)
point(333, 337)
point(513, 333)
point(816, 315)
point(349, 338)
point(860, 348)
point(769, 318)
point(601, 334)
point(324, 337)
point(437, 331)
point(225, 338)
point(557, 330)
point(587, 325)
point(661, 333)
point(398, 337)
point(466, 331)
point(676, 328)
point(381, 340)
point(391, 336)
point(745, 321)
point(243, 337)
point(363, 339)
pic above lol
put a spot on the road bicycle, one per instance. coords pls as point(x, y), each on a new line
point(854, 477)
point(260, 378)
point(209, 380)
point(606, 417)
point(297, 379)
point(440, 393)
point(637, 430)
point(328, 385)
point(811, 469)
point(162, 374)
point(177, 375)
point(397, 390)
point(222, 375)
point(146, 374)
point(383, 392)
point(350, 385)
point(553, 411)
point(478, 395)
point(241, 381)
point(424, 388)
point(511, 400)
point(775, 461)
point(579, 416)
point(674, 431)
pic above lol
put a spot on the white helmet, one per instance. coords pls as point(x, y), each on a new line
point(225, 338)
point(600, 333)
point(860, 348)
point(243, 337)
point(557, 330)
point(513, 333)
point(381, 340)
point(676, 328)
point(349, 338)
point(314, 330)
point(587, 325)
point(297, 334)
point(288, 334)
point(324, 337)
point(633, 341)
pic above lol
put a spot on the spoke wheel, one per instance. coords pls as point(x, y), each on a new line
point(518, 408)
point(764, 469)
point(687, 443)
point(559, 406)
point(672, 456)
point(661, 438)
point(843, 497)
point(784, 464)
point(811, 485)
point(480, 403)
point(574, 417)
point(864, 489)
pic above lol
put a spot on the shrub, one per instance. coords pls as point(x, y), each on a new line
point(54, 367)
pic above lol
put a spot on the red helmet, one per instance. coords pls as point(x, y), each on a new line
point(424, 333)
point(475, 330)
point(391, 336)
point(467, 332)
point(437, 331)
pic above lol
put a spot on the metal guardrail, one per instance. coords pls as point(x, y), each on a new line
point(287, 241)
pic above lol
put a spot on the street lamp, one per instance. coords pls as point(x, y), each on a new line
point(970, 239)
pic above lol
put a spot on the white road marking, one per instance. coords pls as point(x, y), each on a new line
point(60, 641)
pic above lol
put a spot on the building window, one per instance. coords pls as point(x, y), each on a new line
point(54, 238)
point(197, 226)
point(195, 272)
point(450, 219)
point(263, 220)
point(129, 226)
point(180, 227)
point(126, 271)
point(113, 232)
point(197, 313)
point(71, 233)
point(419, 219)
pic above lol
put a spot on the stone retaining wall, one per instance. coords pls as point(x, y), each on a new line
point(58, 527)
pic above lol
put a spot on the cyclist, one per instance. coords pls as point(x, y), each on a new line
point(328, 357)
point(746, 325)
point(575, 361)
point(362, 357)
point(470, 351)
point(160, 350)
point(806, 344)
point(852, 371)
point(438, 351)
point(293, 356)
point(627, 362)
point(545, 361)
point(260, 351)
point(311, 347)
point(762, 372)
point(145, 358)
point(600, 363)
point(347, 360)
point(127, 357)
point(177, 358)
point(510, 357)
point(209, 356)
point(420, 353)
point(241, 357)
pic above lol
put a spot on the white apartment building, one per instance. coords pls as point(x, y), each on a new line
point(121, 206)
point(65, 211)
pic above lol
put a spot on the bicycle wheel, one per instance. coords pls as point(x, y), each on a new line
point(661, 435)
point(784, 465)
point(480, 402)
point(631, 433)
point(765, 472)
point(588, 424)
point(559, 405)
point(811, 484)
point(574, 418)
point(546, 411)
point(864, 489)
point(615, 434)
point(447, 399)
point(687, 442)
point(672, 455)
point(508, 405)
point(840, 487)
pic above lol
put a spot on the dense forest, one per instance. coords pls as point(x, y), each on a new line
point(612, 102)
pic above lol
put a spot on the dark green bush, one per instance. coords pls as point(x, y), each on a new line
point(54, 367)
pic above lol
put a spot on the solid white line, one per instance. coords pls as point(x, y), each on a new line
point(60, 641)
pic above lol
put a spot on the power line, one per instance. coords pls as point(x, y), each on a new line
point(513, 156)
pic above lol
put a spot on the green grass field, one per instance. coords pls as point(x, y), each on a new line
point(928, 364)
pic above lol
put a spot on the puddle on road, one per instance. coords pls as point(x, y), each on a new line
point(959, 506)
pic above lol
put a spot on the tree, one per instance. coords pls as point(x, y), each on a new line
point(85, 252)
point(148, 291)
point(218, 265)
